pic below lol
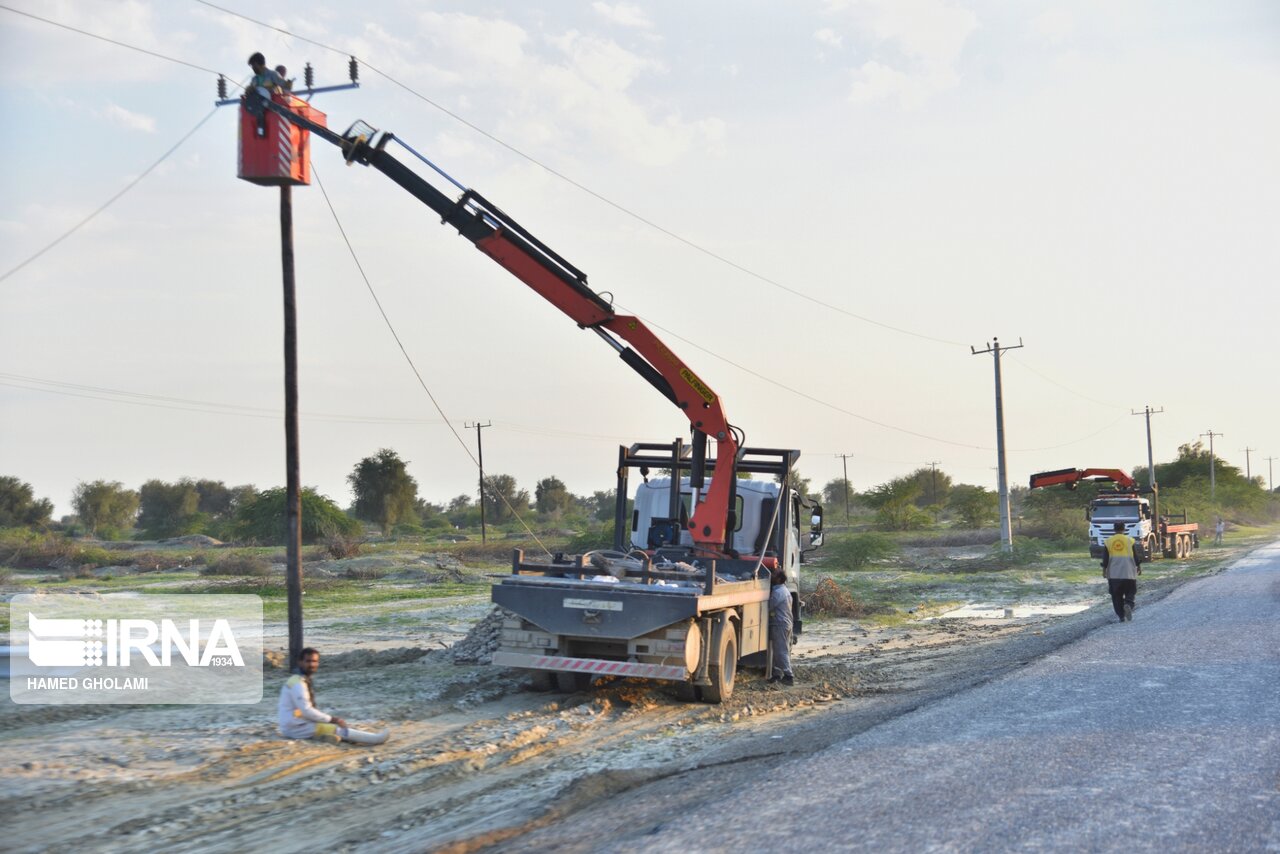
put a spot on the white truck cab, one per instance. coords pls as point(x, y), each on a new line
point(1105, 512)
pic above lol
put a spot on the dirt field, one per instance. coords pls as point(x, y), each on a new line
point(477, 757)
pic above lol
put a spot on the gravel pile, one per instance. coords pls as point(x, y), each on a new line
point(482, 641)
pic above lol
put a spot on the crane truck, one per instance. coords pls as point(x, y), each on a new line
point(683, 596)
point(1156, 534)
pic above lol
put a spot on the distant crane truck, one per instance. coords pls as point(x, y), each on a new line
point(683, 595)
point(1157, 535)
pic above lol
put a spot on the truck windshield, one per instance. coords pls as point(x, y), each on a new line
point(1115, 511)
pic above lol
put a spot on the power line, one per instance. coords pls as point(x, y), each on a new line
point(391, 327)
point(594, 194)
point(109, 202)
point(173, 59)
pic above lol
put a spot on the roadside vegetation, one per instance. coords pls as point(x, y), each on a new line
point(914, 546)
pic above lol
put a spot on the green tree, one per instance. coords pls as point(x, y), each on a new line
point(18, 505)
point(104, 505)
point(385, 491)
point(895, 505)
point(503, 499)
point(551, 497)
point(169, 509)
point(262, 520)
point(974, 506)
point(935, 486)
point(835, 493)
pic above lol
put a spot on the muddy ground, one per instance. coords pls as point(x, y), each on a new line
point(478, 758)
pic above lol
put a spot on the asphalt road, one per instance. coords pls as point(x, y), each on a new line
point(1162, 734)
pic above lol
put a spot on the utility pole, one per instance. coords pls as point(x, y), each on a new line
point(1248, 473)
point(1271, 484)
point(1151, 466)
point(1006, 530)
point(292, 456)
point(933, 487)
point(261, 146)
point(844, 459)
point(480, 459)
point(1213, 488)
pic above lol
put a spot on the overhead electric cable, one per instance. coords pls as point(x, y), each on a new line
point(598, 196)
point(113, 41)
point(109, 202)
point(391, 327)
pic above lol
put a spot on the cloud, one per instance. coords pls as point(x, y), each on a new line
point(829, 38)
point(1054, 25)
point(915, 46)
point(118, 115)
point(623, 14)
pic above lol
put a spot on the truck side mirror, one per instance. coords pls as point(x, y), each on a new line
point(815, 531)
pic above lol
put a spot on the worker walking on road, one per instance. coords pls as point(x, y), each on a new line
point(780, 628)
point(299, 717)
point(1121, 566)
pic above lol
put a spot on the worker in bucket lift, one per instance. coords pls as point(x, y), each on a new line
point(299, 717)
point(780, 627)
point(265, 82)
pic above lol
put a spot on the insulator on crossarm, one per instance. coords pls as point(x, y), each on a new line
point(353, 70)
point(222, 88)
point(309, 76)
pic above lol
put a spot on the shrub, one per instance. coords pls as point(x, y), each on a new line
point(859, 550)
point(598, 537)
point(238, 565)
point(262, 519)
point(828, 599)
point(1025, 550)
point(364, 573)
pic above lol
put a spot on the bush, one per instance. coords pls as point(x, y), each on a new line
point(828, 599)
point(859, 550)
point(262, 519)
point(238, 565)
point(598, 537)
point(364, 573)
point(1025, 550)
point(339, 546)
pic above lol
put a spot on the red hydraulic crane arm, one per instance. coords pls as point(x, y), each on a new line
point(1071, 477)
point(564, 286)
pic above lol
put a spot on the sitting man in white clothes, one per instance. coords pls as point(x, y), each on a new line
point(299, 717)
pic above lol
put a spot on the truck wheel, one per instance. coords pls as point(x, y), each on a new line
point(1178, 548)
point(569, 683)
point(724, 667)
point(1150, 547)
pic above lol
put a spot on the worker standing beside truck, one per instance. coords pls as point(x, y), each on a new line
point(780, 627)
point(1121, 566)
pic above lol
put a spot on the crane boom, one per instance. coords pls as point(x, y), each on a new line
point(556, 280)
point(1071, 478)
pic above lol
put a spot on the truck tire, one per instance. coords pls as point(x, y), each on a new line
point(724, 665)
point(1150, 548)
point(1178, 548)
point(569, 683)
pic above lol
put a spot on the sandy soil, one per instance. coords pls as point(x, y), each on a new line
point(476, 754)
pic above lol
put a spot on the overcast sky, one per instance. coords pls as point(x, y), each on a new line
point(891, 182)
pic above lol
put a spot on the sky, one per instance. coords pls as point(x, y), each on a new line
point(821, 206)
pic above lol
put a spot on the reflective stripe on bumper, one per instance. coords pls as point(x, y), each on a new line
point(592, 666)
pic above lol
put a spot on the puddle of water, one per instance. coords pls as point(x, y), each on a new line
point(987, 612)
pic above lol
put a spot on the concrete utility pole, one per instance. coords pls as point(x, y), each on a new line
point(1271, 484)
point(1213, 489)
point(480, 460)
point(1006, 529)
point(1248, 473)
point(1151, 466)
point(844, 459)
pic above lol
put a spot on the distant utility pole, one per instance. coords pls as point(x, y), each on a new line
point(844, 459)
point(933, 488)
point(1248, 473)
point(1006, 529)
point(1151, 466)
point(1271, 484)
point(480, 459)
point(1213, 490)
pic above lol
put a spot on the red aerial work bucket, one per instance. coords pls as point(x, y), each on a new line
point(283, 155)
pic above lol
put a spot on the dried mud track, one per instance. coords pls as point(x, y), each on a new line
point(475, 761)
